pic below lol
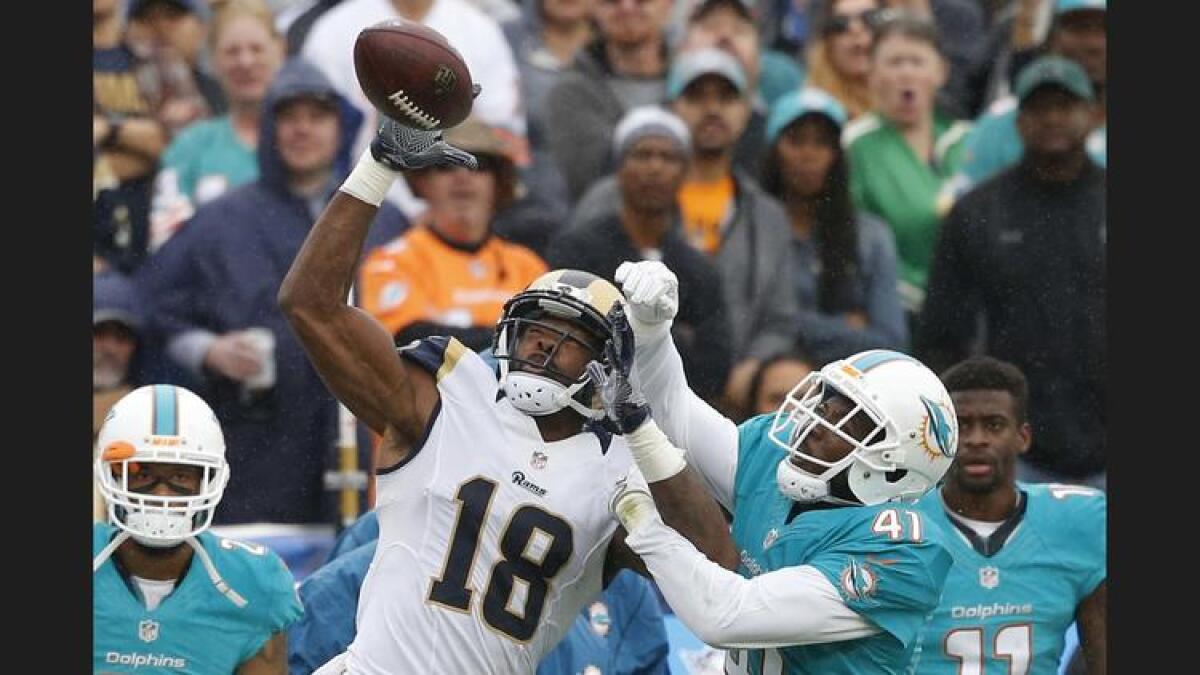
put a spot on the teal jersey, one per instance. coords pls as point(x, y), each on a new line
point(994, 144)
point(878, 557)
point(195, 629)
point(1008, 613)
point(209, 159)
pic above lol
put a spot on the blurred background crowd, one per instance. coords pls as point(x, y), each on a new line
point(824, 176)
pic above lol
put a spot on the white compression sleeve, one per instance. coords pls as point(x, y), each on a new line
point(707, 437)
point(790, 606)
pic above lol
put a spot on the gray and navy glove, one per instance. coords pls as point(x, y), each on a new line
point(624, 404)
point(399, 147)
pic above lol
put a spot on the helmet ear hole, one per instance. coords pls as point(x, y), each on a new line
point(895, 476)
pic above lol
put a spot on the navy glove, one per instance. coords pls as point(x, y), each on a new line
point(624, 404)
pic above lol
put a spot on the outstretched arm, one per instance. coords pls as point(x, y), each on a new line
point(790, 606)
point(677, 488)
point(352, 352)
point(708, 437)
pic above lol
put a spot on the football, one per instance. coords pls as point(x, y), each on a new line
point(412, 74)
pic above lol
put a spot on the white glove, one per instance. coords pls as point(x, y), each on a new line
point(652, 292)
point(631, 502)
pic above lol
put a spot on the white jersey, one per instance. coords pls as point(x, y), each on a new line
point(491, 540)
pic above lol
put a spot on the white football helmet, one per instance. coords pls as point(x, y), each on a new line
point(580, 297)
point(167, 424)
point(911, 446)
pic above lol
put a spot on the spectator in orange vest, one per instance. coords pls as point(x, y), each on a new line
point(450, 274)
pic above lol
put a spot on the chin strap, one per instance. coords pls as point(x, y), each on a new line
point(107, 551)
point(589, 413)
point(215, 576)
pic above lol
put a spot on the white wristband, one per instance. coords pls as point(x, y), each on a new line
point(657, 458)
point(370, 180)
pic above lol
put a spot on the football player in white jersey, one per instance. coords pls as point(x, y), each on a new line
point(492, 487)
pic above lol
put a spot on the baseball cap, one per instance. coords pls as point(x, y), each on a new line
point(691, 65)
point(792, 106)
point(1057, 71)
point(1064, 6)
point(650, 120)
point(476, 136)
point(197, 7)
point(115, 299)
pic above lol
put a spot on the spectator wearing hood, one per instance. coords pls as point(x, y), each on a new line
point(219, 275)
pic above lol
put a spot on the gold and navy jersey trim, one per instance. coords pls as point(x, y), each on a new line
point(437, 355)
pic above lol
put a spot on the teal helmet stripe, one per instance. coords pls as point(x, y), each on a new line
point(166, 417)
point(875, 357)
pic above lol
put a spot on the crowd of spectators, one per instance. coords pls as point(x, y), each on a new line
point(824, 176)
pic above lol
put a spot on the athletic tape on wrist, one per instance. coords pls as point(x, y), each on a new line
point(370, 180)
point(654, 453)
point(635, 510)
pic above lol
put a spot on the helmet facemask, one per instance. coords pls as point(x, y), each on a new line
point(535, 386)
point(160, 520)
point(801, 414)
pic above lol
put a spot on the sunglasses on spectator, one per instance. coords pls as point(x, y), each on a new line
point(840, 23)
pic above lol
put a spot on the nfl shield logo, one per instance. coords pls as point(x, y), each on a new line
point(538, 461)
point(989, 577)
point(148, 630)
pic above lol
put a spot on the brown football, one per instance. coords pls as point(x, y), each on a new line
point(412, 74)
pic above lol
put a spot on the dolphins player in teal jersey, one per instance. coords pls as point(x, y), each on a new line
point(1028, 558)
point(166, 595)
point(838, 574)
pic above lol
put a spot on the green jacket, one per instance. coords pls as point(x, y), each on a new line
point(888, 180)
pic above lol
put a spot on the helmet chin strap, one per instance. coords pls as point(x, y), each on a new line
point(107, 551)
point(537, 395)
point(800, 486)
point(213, 575)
